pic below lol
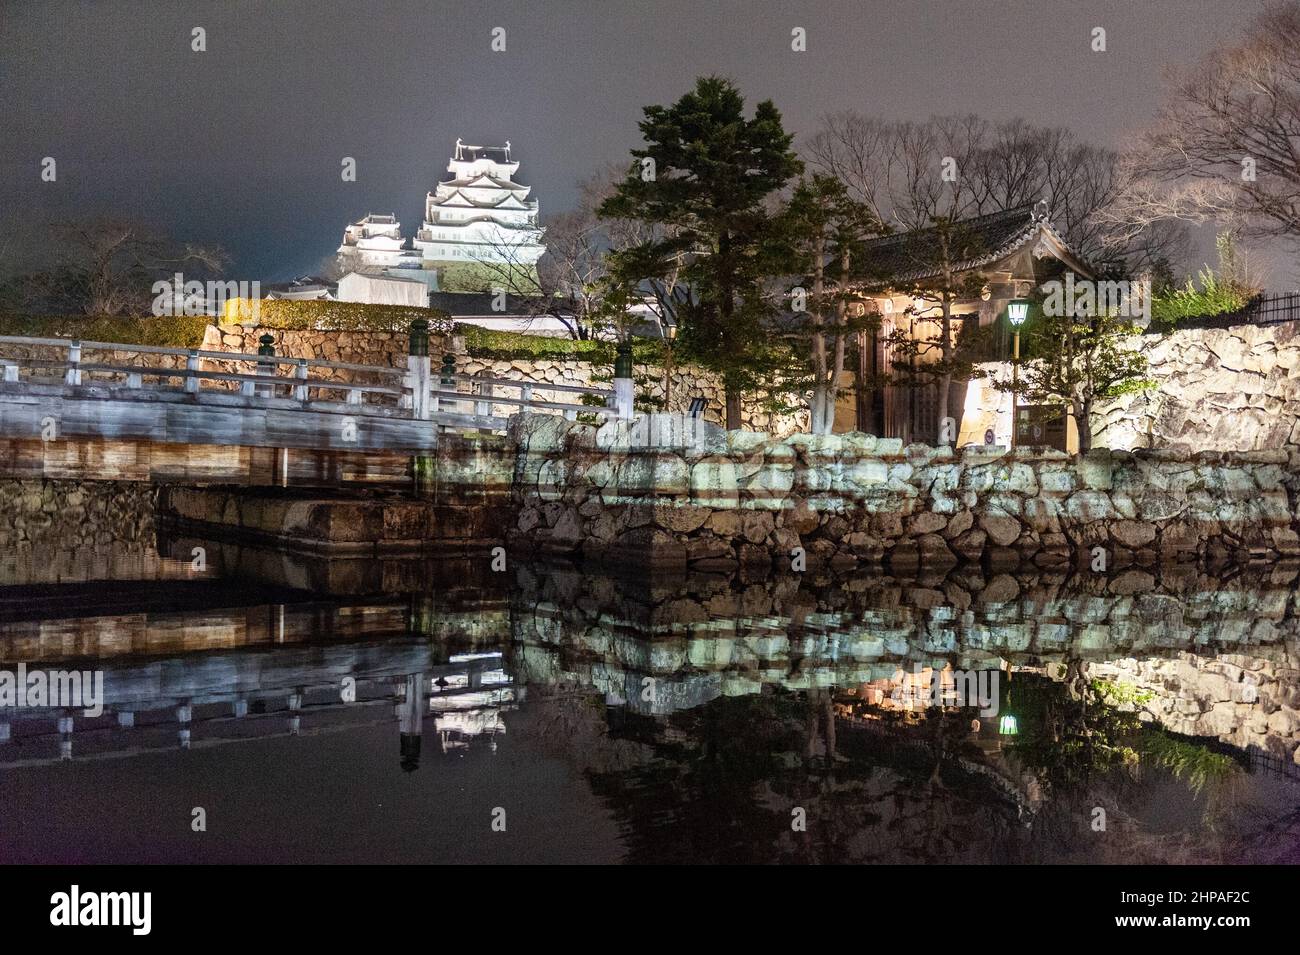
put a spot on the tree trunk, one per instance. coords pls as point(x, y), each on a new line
point(1080, 412)
point(818, 416)
point(816, 409)
point(837, 363)
point(1083, 423)
point(733, 408)
point(945, 352)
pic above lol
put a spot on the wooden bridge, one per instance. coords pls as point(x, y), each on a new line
point(193, 396)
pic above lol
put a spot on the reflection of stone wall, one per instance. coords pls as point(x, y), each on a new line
point(75, 530)
point(1245, 699)
point(666, 491)
point(1219, 655)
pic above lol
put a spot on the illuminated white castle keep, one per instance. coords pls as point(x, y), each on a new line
point(480, 215)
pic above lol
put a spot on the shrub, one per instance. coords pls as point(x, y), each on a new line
point(480, 277)
point(179, 331)
point(1215, 296)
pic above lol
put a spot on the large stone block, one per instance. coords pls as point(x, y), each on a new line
point(1089, 506)
point(928, 522)
point(724, 523)
point(538, 433)
point(680, 518)
point(867, 473)
point(650, 547)
point(1002, 530)
point(552, 479)
point(756, 526)
point(671, 432)
point(771, 486)
point(1042, 514)
point(1133, 534)
point(802, 518)
point(652, 473)
point(745, 443)
point(713, 482)
point(1096, 470)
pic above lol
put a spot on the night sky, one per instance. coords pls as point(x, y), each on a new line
point(241, 146)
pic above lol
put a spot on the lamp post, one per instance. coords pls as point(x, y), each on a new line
point(670, 336)
point(1017, 312)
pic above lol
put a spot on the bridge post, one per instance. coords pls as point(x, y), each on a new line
point(192, 364)
point(267, 350)
point(423, 404)
point(74, 357)
point(623, 386)
point(447, 379)
point(417, 362)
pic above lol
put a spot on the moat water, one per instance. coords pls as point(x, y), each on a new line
point(263, 707)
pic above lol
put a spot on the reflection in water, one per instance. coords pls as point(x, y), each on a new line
point(966, 718)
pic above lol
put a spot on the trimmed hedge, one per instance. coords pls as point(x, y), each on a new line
point(180, 331)
point(495, 345)
point(290, 315)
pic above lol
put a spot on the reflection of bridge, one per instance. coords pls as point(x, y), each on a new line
point(192, 396)
point(258, 688)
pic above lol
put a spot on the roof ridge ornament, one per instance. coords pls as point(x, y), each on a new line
point(1040, 211)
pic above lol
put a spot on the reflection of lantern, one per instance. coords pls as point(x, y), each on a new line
point(1007, 725)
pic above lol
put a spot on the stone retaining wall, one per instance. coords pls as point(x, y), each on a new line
point(390, 349)
point(668, 491)
point(1222, 388)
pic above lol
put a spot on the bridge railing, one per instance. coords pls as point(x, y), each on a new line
point(414, 391)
